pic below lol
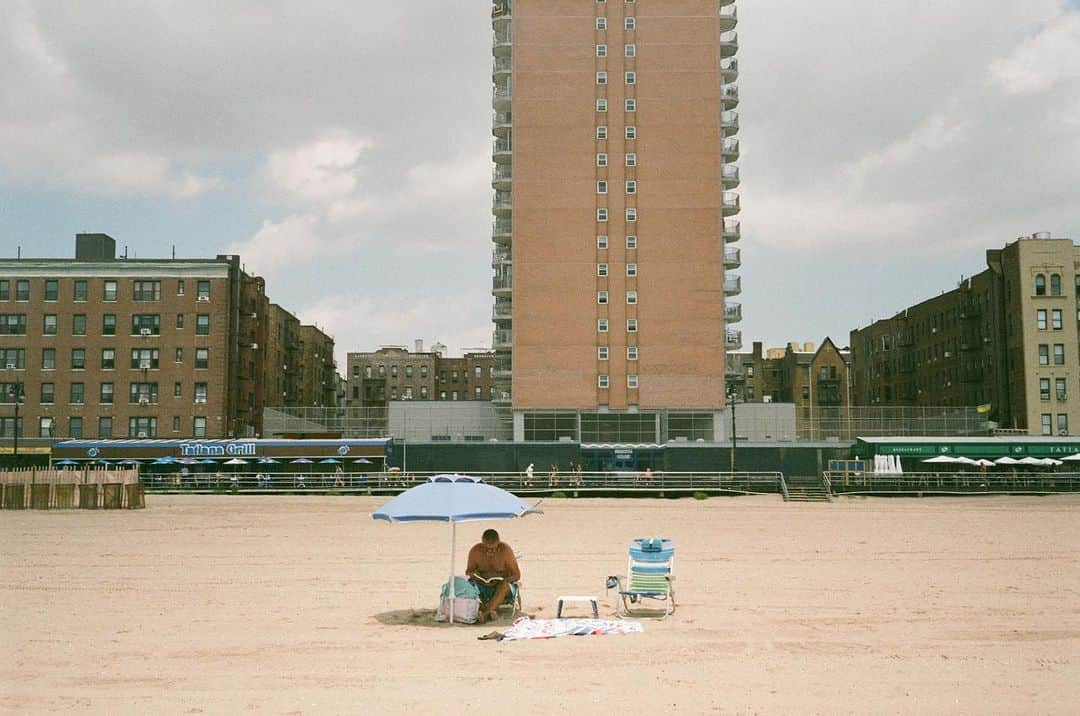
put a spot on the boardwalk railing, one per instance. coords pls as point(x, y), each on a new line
point(953, 483)
point(571, 484)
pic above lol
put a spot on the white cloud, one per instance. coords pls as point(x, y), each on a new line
point(322, 174)
point(1043, 61)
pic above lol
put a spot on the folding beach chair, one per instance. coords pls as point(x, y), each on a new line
point(650, 575)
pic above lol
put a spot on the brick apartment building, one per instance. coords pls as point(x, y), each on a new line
point(395, 373)
point(318, 371)
point(810, 378)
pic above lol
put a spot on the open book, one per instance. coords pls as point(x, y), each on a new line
point(486, 580)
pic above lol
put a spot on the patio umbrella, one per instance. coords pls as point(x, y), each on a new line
point(206, 461)
point(1072, 458)
point(1051, 462)
point(329, 461)
point(1006, 461)
point(103, 461)
point(453, 499)
point(1029, 461)
point(164, 461)
point(365, 461)
point(65, 462)
point(188, 461)
point(236, 461)
point(303, 460)
point(965, 460)
point(983, 462)
point(267, 461)
point(941, 459)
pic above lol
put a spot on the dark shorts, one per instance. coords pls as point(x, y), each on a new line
point(487, 591)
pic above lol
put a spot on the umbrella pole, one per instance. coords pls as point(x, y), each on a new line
point(452, 592)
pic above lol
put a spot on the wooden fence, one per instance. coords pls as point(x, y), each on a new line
point(88, 489)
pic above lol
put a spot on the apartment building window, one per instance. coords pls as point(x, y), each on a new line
point(602, 381)
point(601, 78)
point(1059, 388)
point(631, 325)
point(202, 290)
point(1059, 354)
point(631, 186)
point(601, 214)
point(202, 391)
point(142, 427)
point(631, 242)
point(601, 159)
point(79, 293)
point(601, 105)
point(198, 426)
point(408, 371)
point(629, 23)
point(629, 50)
point(601, 131)
point(77, 393)
point(108, 324)
point(630, 78)
point(78, 324)
point(13, 324)
point(49, 327)
point(601, 353)
point(1055, 284)
point(52, 289)
point(202, 324)
point(178, 389)
point(601, 187)
point(202, 357)
point(176, 424)
point(1044, 354)
point(78, 359)
point(144, 358)
point(601, 50)
point(180, 287)
point(602, 297)
point(178, 356)
point(382, 370)
point(10, 357)
point(631, 214)
point(601, 242)
point(601, 23)
point(5, 290)
point(110, 291)
point(146, 324)
point(1055, 319)
point(601, 270)
point(630, 105)
point(74, 428)
point(105, 394)
point(423, 392)
point(22, 290)
point(147, 291)
point(423, 372)
point(1063, 424)
point(45, 427)
point(631, 269)
point(1045, 419)
point(1040, 319)
point(48, 393)
point(104, 427)
point(108, 358)
point(1044, 389)
point(143, 393)
point(631, 131)
point(1040, 285)
point(602, 325)
point(631, 381)
point(48, 359)
point(631, 352)
point(631, 297)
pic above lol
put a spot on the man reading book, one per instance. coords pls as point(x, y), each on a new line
point(492, 568)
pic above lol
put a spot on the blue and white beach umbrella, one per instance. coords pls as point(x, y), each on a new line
point(453, 499)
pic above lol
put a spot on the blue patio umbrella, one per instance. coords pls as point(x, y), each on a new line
point(453, 499)
point(207, 461)
point(301, 460)
point(166, 460)
point(267, 461)
point(329, 461)
point(65, 462)
point(103, 461)
point(130, 461)
point(362, 461)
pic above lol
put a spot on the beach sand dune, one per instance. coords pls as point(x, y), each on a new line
point(277, 604)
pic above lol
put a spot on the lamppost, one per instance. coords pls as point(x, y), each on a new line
point(15, 392)
point(732, 394)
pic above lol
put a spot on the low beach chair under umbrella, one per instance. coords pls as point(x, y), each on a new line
point(453, 499)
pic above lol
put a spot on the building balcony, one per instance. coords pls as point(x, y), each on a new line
point(732, 340)
point(501, 97)
point(503, 204)
point(729, 69)
point(729, 176)
point(725, 3)
point(729, 43)
point(501, 256)
point(729, 17)
point(732, 312)
point(731, 232)
point(729, 96)
point(502, 338)
point(730, 201)
point(500, 10)
point(732, 259)
point(502, 231)
point(503, 41)
point(502, 311)
point(502, 151)
point(732, 284)
point(501, 374)
point(502, 283)
point(730, 149)
point(502, 176)
point(500, 68)
point(729, 122)
point(501, 124)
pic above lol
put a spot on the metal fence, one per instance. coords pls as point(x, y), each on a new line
point(952, 483)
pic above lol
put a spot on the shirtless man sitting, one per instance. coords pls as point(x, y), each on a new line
point(494, 561)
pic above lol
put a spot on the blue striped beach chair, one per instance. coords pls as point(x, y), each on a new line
point(650, 577)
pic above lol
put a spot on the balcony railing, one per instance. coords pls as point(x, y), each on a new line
point(502, 95)
point(730, 95)
point(503, 201)
point(502, 175)
point(502, 339)
point(732, 340)
point(501, 230)
point(730, 201)
point(502, 150)
point(731, 149)
point(729, 17)
point(732, 258)
point(729, 68)
point(730, 176)
point(502, 311)
point(729, 121)
point(729, 43)
point(732, 284)
point(503, 41)
point(500, 255)
point(732, 312)
point(731, 232)
point(502, 282)
point(500, 10)
point(500, 66)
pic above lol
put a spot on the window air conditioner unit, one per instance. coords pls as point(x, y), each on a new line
point(11, 366)
point(254, 346)
point(141, 434)
point(1063, 432)
point(254, 315)
point(144, 331)
point(145, 365)
point(144, 400)
point(199, 401)
point(203, 299)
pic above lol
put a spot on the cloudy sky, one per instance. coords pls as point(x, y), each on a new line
point(345, 153)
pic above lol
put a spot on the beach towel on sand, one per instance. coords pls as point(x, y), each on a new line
point(526, 628)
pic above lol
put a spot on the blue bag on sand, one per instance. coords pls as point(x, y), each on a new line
point(463, 589)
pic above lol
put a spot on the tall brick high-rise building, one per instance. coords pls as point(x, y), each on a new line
point(614, 130)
